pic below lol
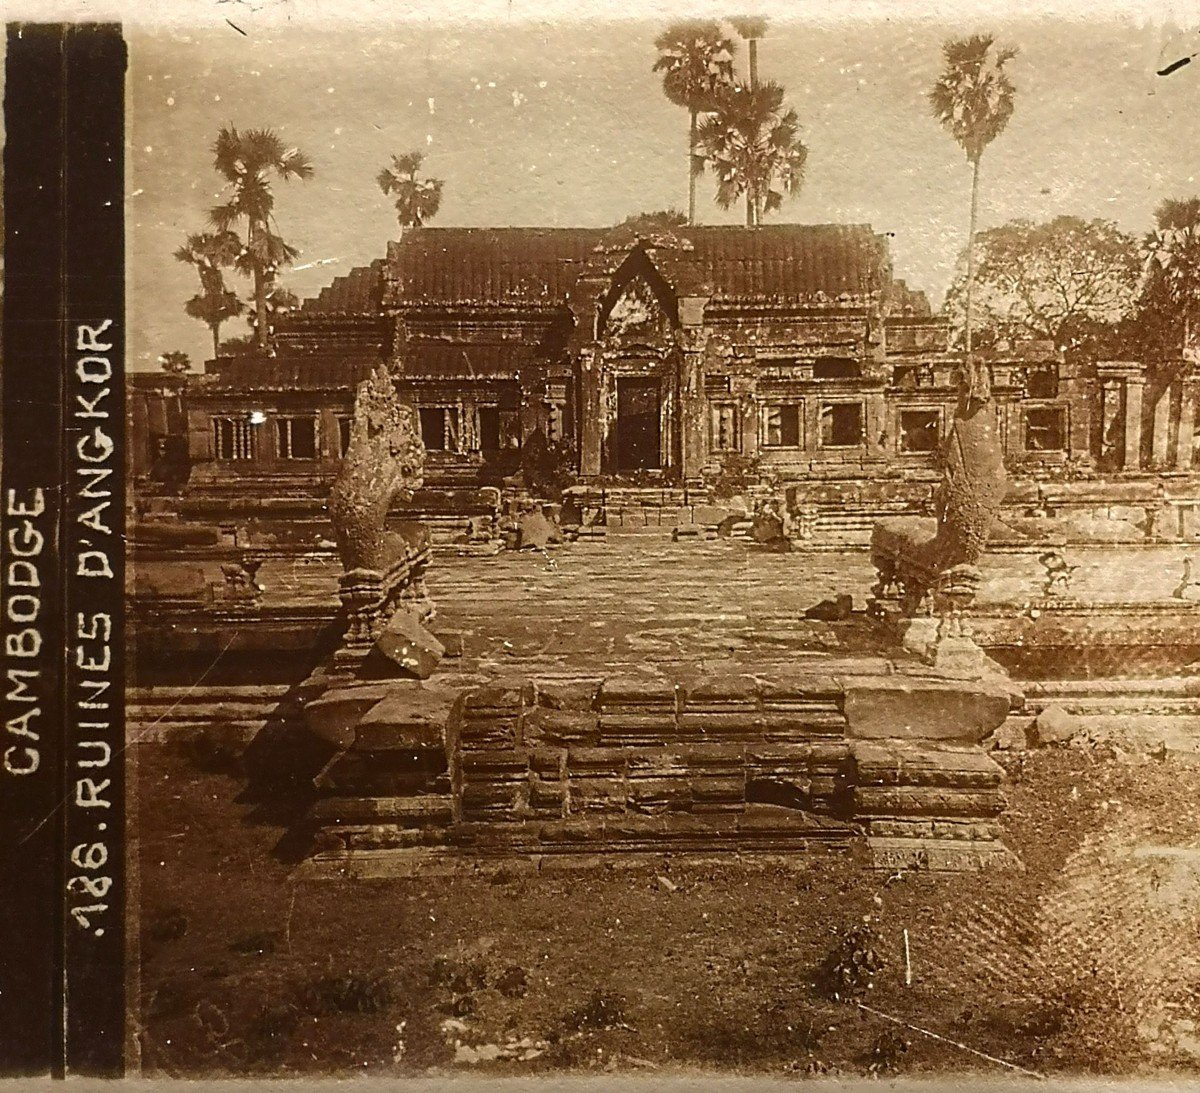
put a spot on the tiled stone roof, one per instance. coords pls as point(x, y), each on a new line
point(357, 293)
point(806, 264)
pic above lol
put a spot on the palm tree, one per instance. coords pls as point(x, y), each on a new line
point(696, 60)
point(212, 253)
point(1173, 260)
point(417, 199)
point(973, 99)
point(751, 29)
point(752, 143)
point(176, 362)
point(247, 161)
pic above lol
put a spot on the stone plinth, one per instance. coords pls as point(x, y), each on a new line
point(633, 765)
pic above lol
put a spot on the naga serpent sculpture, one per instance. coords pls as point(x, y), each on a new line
point(384, 461)
point(920, 556)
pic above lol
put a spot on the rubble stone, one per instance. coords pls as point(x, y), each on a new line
point(1054, 726)
point(408, 645)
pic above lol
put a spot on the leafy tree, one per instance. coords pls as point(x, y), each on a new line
point(662, 220)
point(175, 362)
point(1064, 280)
point(973, 99)
point(211, 253)
point(241, 346)
point(248, 161)
point(696, 61)
point(752, 143)
point(417, 199)
point(1171, 280)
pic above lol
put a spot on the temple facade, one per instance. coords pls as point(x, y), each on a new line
point(786, 351)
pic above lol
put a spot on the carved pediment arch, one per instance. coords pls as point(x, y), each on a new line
point(639, 304)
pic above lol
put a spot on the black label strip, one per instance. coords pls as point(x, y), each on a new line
point(94, 553)
point(62, 1006)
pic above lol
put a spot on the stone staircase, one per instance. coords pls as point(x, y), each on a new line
point(237, 712)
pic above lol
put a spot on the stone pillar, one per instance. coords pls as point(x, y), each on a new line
point(1133, 422)
point(1081, 407)
point(745, 387)
point(1110, 411)
point(879, 440)
point(692, 403)
point(591, 412)
point(1187, 427)
point(1162, 428)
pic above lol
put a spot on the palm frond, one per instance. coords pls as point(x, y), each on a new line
point(696, 60)
point(973, 98)
point(750, 27)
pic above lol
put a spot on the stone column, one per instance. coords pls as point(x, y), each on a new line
point(1133, 422)
point(1110, 409)
point(745, 388)
point(591, 412)
point(1162, 428)
point(876, 426)
point(692, 403)
point(1187, 427)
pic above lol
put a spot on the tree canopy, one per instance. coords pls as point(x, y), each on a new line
point(1063, 280)
point(751, 142)
point(248, 160)
point(416, 199)
point(973, 98)
point(175, 362)
point(695, 58)
point(211, 253)
point(1171, 277)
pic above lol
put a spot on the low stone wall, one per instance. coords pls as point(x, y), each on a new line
point(621, 765)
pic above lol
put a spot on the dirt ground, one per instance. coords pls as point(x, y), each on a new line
point(1087, 960)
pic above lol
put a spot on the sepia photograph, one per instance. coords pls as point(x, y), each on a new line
point(660, 544)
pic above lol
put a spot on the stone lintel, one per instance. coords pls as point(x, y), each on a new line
point(902, 707)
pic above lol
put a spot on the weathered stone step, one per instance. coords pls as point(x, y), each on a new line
point(1172, 685)
point(200, 711)
point(154, 731)
point(233, 691)
point(1119, 705)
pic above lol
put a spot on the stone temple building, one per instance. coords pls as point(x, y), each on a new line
point(643, 355)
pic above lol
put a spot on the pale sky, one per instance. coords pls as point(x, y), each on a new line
point(563, 124)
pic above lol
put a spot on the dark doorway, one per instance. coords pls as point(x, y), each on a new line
point(489, 428)
point(638, 424)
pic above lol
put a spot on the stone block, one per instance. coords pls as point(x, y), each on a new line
point(710, 515)
point(931, 801)
point(333, 716)
point(169, 580)
point(1013, 735)
point(713, 691)
point(596, 795)
point(942, 856)
point(407, 717)
point(536, 532)
point(913, 708)
point(571, 694)
point(631, 691)
point(547, 726)
point(500, 694)
point(409, 646)
point(547, 796)
point(1054, 726)
point(904, 764)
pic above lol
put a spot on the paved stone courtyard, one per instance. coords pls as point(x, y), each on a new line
point(645, 603)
